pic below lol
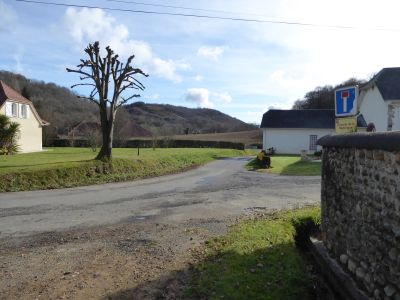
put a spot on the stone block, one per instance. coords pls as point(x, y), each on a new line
point(367, 278)
point(351, 265)
point(397, 157)
point(343, 259)
point(360, 273)
point(377, 294)
point(388, 157)
point(364, 265)
point(389, 290)
point(393, 254)
point(396, 230)
point(378, 155)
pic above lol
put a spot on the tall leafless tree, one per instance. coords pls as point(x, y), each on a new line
point(109, 79)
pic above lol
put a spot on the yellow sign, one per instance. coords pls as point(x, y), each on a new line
point(346, 125)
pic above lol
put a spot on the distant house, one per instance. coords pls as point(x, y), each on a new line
point(22, 111)
point(291, 131)
point(379, 100)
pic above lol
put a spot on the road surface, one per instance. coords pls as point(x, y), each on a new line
point(219, 189)
point(132, 240)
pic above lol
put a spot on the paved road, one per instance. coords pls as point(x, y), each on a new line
point(222, 188)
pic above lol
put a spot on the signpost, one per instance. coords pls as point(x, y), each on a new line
point(346, 101)
point(346, 106)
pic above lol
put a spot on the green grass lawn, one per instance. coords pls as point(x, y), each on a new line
point(289, 165)
point(68, 156)
point(68, 167)
point(256, 259)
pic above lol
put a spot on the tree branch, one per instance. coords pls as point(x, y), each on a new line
point(126, 100)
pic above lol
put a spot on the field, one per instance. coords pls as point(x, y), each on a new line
point(68, 167)
point(246, 137)
point(289, 165)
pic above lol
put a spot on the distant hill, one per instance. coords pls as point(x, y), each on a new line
point(165, 119)
point(64, 110)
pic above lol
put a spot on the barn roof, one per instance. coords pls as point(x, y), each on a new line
point(388, 83)
point(306, 118)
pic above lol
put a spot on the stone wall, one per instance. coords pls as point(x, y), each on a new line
point(360, 203)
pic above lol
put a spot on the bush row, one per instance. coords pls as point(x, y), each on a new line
point(163, 143)
point(87, 173)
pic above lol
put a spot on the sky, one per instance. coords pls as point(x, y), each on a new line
point(237, 67)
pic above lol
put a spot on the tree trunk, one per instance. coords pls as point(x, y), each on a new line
point(106, 148)
point(107, 128)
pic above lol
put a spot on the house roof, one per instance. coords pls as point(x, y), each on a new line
point(306, 118)
point(388, 83)
point(7, 93)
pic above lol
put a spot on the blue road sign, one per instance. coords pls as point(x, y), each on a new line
point(346, 101)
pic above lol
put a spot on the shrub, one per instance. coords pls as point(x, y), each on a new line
point(318, 153)
point(8, 136)
point(160, 143)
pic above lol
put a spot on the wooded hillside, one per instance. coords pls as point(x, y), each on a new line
point(64, 110)
point(322, 97)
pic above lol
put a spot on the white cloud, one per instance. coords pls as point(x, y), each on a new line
point(18, 65)
point(200, 96)
point(205, 98)
point(198, 78)
point(210, 52)
point(222, 97)
point(89, 25)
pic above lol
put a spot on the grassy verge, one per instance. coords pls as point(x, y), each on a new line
point(288, 165)
point(69, 167)
point(256, 259)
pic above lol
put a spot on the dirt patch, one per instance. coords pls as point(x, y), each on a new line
point(142, 259)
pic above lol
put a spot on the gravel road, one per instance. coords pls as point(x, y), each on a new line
point(122, 239)
point(219, 189)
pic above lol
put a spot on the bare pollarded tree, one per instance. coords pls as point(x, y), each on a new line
point(110, 80)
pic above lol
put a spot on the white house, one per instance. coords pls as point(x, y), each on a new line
point(21, 110)
point(379, 100)
point(291, 131)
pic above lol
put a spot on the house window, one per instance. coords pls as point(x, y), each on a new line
point(14, 110)
point(8, 109)
point(313, 142)
point(24, 114)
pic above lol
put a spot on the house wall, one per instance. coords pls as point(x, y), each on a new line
point(394, 115)
point(30, 131)
point(291, 141)
point(374, 108)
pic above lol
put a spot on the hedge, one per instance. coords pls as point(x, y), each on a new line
point(164, 143)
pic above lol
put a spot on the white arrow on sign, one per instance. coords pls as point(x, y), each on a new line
point(345, 95)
